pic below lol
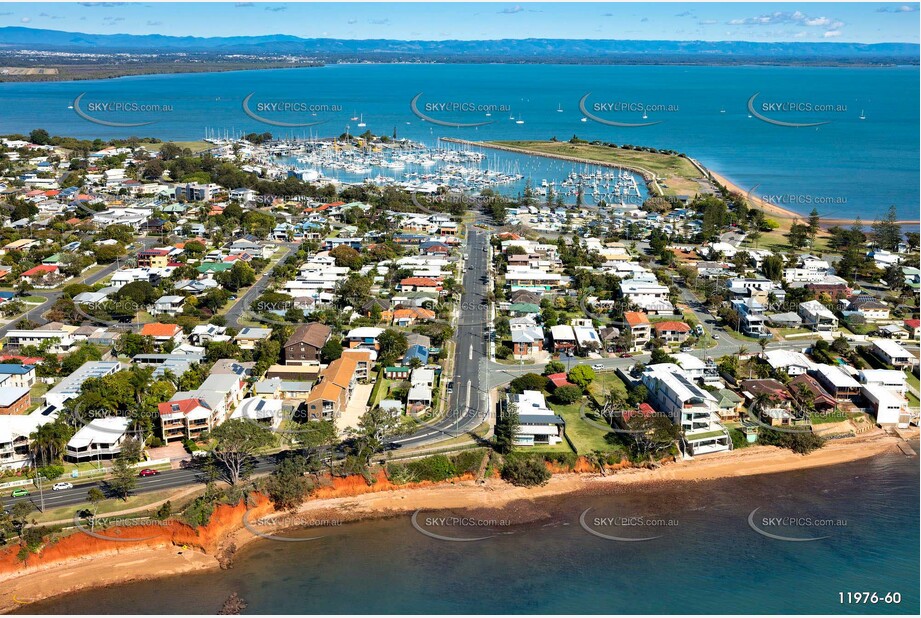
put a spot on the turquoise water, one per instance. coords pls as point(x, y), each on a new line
point(844, 168)
point(709, 561)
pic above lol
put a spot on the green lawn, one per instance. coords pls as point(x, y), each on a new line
point(585, 437)
point(677, 172)
point(912, 400)
point(912, 380)
point(562, 447)
point(604, 382)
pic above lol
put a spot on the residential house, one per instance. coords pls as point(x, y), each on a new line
point(689, 406)
point(248, 337)
point(101, 438)
point(890, 408)
point(893, 379)
point(330, 395)
point(168, 305)
point(892, 353)
point(16, 375)
point(836, 382)
point(162, 333)
point(822, 401)
point(637, 330)
point(186, 419)
point(526, 342)
point(672, 332)
point(70, 386)
point(537, 423)
point(14, 399)
point(865, 306)
point(305, 343)
point(817, 316)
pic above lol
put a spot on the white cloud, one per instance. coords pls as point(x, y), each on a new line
point(512, 10)
point(830, 34)
point(897, 9)
point(786, 17)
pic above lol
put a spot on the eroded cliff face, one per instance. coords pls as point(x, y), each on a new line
point(78, 545)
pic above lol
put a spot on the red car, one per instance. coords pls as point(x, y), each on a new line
point(148, 472)
point(626, 355)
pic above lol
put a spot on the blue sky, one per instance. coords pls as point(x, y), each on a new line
point(779, 21)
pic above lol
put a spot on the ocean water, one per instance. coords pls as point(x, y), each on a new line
point(844, 168)
point(706, 559)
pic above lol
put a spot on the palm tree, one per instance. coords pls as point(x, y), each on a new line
point(763, 342)
point(49, 441)
point(760, 402)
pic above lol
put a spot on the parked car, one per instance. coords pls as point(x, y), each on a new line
point(626, 355)
point(716, 335)
point(148, 472)
point(450, 388)
point(19, 493)
point(598, 367)
point(60, 486)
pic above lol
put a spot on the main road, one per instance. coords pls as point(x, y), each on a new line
point(468, 406)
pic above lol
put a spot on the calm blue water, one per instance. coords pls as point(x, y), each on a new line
point(859, 166)
point(709, 562)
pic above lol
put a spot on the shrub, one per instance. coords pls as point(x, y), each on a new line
point(51, 472)
point(165, 510)
point(567, 460)
point(800, 442)
point(567, 394)
point(468, 461)
point(525, 471)
point(435, 468)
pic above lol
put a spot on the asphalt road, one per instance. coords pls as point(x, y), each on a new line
point(240, 308)
point(468, 405)
point(167, 479)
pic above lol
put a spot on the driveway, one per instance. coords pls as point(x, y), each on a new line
point(358, 405)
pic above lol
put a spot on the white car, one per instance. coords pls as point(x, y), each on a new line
point(60, 486)
point(598, 367)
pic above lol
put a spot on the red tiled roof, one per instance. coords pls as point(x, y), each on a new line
point(559, 379)
point(913, 323)
point(183, 405)
point(157, 329)
point(39, 270)
point(680, 327)
point(635, 318)
point(417, 281)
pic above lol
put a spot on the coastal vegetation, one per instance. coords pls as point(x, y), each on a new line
point(670, 167)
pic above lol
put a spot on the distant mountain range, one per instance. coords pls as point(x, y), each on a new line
point(504, 50)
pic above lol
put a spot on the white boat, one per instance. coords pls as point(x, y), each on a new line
point(644, 115)
point(559, 107)
point(584, 119)
point(519, 121)
point(862, 115)
point(361, 123)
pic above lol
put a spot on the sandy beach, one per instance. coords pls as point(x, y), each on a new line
point(129, 563)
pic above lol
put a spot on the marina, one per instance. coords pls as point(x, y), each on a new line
point(413, 166)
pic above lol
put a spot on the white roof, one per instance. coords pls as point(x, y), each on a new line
point(891, 348)
point(101, 430)
point(562, 331)
point(837, 377)
point(882, 376)
point(689, 362)
point(787, 358)
point(365, 332)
